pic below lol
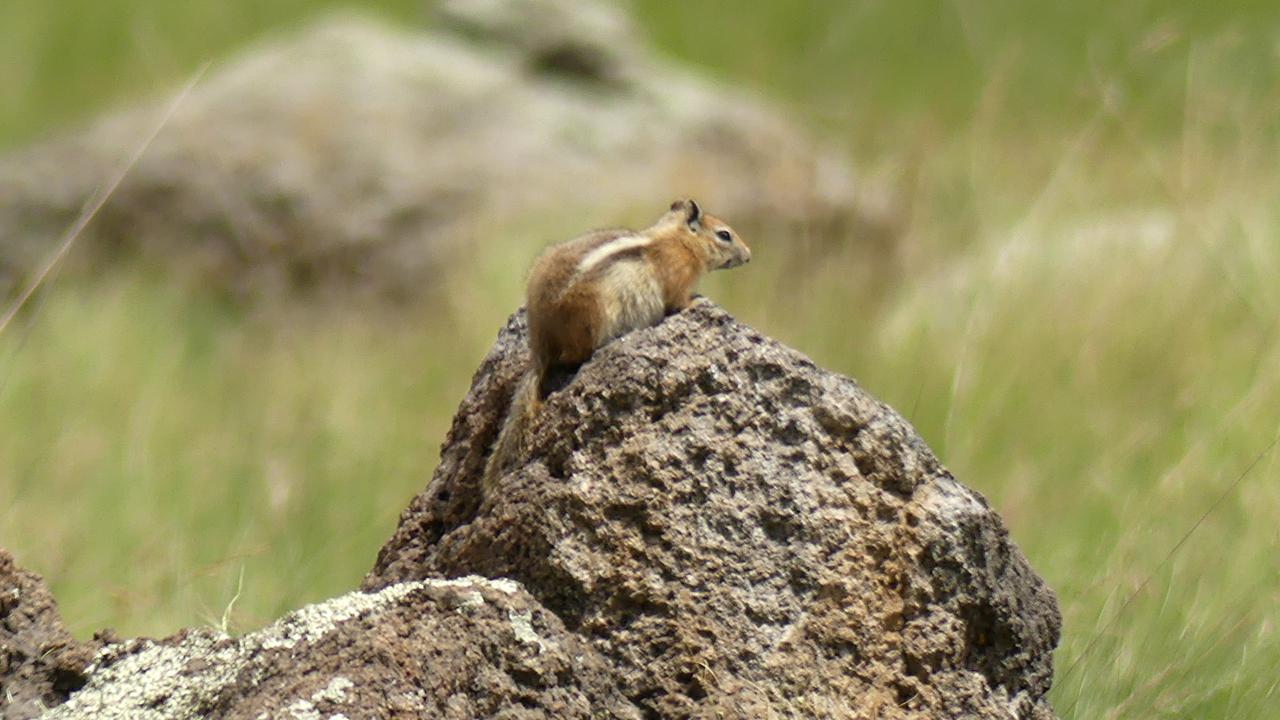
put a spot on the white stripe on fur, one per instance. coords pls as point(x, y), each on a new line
point(602, 254)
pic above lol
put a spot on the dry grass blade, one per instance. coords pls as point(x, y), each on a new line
point(96, 202)
point(1101, 632)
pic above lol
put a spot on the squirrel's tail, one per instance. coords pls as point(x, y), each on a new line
point(524, 407)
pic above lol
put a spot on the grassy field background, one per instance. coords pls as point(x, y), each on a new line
point(1086, 330)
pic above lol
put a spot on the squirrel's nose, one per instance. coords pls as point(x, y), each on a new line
point(737, 259)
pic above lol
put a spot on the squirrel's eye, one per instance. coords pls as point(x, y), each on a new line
point(724, 236)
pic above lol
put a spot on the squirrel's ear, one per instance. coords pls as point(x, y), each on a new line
point(693, 215)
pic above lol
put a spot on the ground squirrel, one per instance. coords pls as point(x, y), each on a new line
point(594, 288)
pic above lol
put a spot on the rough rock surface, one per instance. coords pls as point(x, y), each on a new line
point(740, 534)
point(464, 648)
point(704, 525)
point(358, 155)
point(40, 663)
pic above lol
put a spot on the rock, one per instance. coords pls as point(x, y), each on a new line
point(740, 534)
point(704, 525)
point(40, 663)
point(464, 648)
point(359, 156)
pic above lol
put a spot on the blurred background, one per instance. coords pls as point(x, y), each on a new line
point(1048, 234)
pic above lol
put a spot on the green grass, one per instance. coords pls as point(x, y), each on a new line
point(156, 445)
point(1086, 330)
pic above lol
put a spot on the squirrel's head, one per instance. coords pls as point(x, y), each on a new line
point(720, 245)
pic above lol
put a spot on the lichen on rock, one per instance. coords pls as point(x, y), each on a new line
point(430, 648)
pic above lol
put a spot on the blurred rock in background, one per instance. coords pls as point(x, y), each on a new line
point(358, 156)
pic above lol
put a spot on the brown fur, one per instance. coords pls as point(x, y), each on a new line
point(562, 313)
point(678, 267)
point(594, 288)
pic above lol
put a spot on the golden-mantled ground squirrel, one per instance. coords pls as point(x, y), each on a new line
point(594, 288)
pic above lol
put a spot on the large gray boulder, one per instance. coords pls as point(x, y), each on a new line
point(356, 155)
point(704, 525)
point(740, 534)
